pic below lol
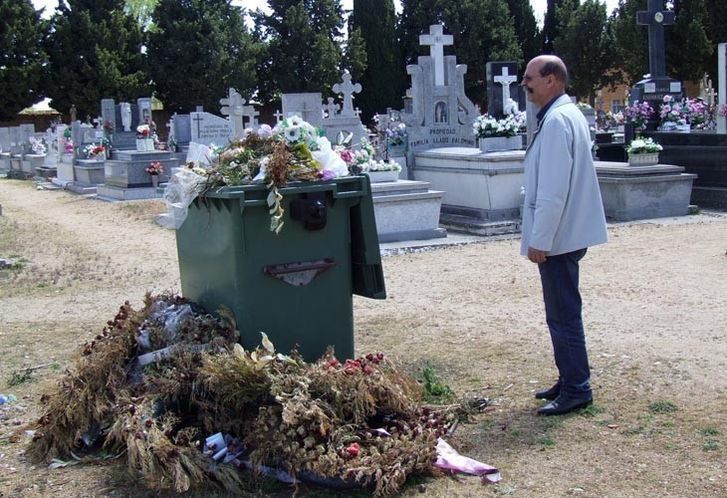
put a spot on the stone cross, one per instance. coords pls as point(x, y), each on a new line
point(656, 19)
point(331, 107)
point(505, 79)
point(358, 113)
point(249, 112)
point(278, 116)
point(198, 119)
point(436, 39)
point(233, 106)
point(347, 89)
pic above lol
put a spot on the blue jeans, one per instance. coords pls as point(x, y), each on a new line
point(559, 276)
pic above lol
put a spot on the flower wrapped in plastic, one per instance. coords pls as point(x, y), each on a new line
point(643, 146)
point(293, 151)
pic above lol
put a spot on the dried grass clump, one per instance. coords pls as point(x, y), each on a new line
point(349, 425)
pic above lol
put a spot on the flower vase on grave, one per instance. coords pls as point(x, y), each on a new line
point(494, 144)
point(155, 181)
point(644, 159)
point(396, 150)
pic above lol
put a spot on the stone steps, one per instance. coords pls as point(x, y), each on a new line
point(477, 226)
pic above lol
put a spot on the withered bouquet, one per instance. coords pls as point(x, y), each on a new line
point(158, 380)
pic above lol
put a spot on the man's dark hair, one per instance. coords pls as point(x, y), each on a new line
point(557, 69)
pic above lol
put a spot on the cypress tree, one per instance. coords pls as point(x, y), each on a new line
point(197, 50)
point(21, 56)
point(383, 79)
point(95, 51)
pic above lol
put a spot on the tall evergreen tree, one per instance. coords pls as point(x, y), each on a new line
point(557, 12)
point(304, 40)
point(585, 43)
point(526, 27)
point(383, 80)
point(22, 58)
point(198, 49)
point(95, 51)
point(716, 25)
point(483, 31)
point(689, 30)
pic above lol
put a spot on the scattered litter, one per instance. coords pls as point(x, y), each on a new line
point(10, 398)
point(449, 459)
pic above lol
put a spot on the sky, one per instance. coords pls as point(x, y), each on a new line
point(538, 5)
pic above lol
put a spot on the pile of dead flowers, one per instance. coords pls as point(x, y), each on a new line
point(158, 380)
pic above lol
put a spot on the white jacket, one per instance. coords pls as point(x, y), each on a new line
point(563, 211)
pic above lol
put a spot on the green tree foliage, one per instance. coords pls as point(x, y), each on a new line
point(689, 30)
point(199, 49)
point(585, 43)
point(558, 12)
point(716, 26)
point(142, 10)
point(94, 49)
point(415, 19)
point(355, 58)
point(303, 40)
point(483, 31)
point(22, 58)
point(383, 81)
point(526, 27)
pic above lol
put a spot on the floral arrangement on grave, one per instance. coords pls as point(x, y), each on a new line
point(638, 115)
point(155, 168)
point(396, 135)
point(672, 113)
point(93, 151)
point(143, 131)
point(37, 146)
point(699, 114)
point(108, 127)
point(487, 126)
point(293, 151)
point(68, 146)
point(363, 160)
point(643, 146)
point(607, 120)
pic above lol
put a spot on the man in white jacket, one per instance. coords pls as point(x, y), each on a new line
point(563, 216)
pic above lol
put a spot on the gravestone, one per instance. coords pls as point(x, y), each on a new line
point(4, 140)
point(347, 121)
point(182, 128)
point(249, 116)
point(26, 131)
point(656, 85)
point(501, 86)
point(132, 116)
point(108, 113)
point(232, 107)
point(144, 109)
point(306, 105)
point(209, 129)
point(441, 115)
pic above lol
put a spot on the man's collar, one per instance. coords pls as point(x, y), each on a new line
point(541, 114)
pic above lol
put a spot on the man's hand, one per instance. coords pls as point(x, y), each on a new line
point(536, 255)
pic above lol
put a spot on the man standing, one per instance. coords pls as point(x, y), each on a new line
point(562, 217)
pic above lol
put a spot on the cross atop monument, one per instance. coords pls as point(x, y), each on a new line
point(656, 18)
point(436, 39)
point(331, 107)
point(249, 112)
point(505, 79)
point(233, 106)
point(347, 89)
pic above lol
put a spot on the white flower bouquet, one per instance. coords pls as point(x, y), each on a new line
point(643, 146)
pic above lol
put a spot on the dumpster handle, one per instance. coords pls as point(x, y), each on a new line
point(274, 270)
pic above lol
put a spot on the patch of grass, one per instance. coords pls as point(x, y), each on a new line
point(546, 441)
point(591, 410)
point(662, 406)
point(435, 390)
point(710, 445)
point(504, 490)
point(20, 377)
point(515, 433)
point(709, 431)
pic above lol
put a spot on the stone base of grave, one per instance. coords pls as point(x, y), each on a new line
point(4, 162)
point(81, 189)
point(111, 193)
point(406, 210)
point(31, 162)
point(713, 197)
point(89, 171)
point(479, 187)
point(16, 162)
point(123, 140)
point(127, 168)
point(642, 192)
point(46, 172)
point(473, 225)
point(19, 175)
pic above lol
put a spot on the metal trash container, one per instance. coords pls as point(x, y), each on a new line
point(296, 286)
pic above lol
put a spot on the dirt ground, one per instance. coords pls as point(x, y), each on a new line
point(655, 309)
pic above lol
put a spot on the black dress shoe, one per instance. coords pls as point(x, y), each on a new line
point(564, 404)
point(550, 394)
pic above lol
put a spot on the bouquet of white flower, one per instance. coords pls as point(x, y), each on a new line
point(643, 146)
point(487, 126)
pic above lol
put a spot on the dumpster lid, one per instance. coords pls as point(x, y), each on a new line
point(367, 272)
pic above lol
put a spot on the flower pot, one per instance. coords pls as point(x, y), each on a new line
point(155, 181)
point(647, 159)
point(493, 144)
point(383, 176)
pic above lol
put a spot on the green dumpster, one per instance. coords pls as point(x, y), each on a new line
point(296, 286)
